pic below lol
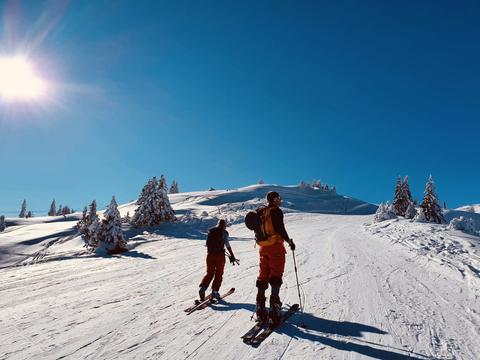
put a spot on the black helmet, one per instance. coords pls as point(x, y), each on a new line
point(272, 195)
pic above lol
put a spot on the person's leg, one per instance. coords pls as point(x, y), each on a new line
point(277, 267)
point(262, 285)
point(208, 277)
point(219, 268)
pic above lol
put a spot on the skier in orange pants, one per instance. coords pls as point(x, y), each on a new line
point(272, 258)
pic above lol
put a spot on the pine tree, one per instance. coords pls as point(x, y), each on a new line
point(29, 214)
point(127, 219)
point(411, 211)
point(2, 223)
point(60, 209)
point(93, 231)
point(430, 207)
point(316, 184)
point(112, 229)
point(402, 197)
point(53, 209)
point(407, 195)
point(398, 201)
point(153, 204)
point(303, 184)
point(23, 211)
point(82, 224)
point(174, 188)
point(260, 182)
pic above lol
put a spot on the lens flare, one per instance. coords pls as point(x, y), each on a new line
point(18, 80)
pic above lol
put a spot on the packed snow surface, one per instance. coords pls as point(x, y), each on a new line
point(391, 290)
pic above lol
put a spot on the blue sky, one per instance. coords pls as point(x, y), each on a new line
point(222, 94)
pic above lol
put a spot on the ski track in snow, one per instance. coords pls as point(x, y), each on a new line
point(369, 291)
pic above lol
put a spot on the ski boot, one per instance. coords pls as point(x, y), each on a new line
point(201, 293)
point(261, 311)
point(275, 314)
point(215, 295)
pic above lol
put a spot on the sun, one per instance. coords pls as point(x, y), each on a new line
point(18, 80)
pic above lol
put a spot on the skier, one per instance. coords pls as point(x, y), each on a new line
point(217, 240)
point(272, 258)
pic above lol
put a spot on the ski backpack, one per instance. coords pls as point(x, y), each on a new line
point(215, 243)
point(254, 222)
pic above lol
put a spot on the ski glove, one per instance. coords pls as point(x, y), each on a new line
point(292, 245)
point(233, 260)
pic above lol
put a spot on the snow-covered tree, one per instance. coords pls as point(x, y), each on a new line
point(2, 223)
point(92, 228)
point(384, 212)
point(430, 207)
point(65, 210)
point(29, 215)
point(53, 209)
point(23, 211)
point(334, 189)
point(402, 197)
point(174, 188)
point(303, 184)
point(316, 184)
point(153, 204)
point(112, 229)
point(127, 219)
point(260, 182)
point(411, 211)
point(464, 224)
point(82, 224)
point(59, 210)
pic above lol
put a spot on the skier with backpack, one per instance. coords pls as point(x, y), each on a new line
point(217, 240)
point(270, 235)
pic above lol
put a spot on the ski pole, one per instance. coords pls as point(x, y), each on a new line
point(298, 288)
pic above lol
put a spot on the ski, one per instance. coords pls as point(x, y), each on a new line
point(256, 341)
point(197, 302)
point(209, 301)
point(250, 334)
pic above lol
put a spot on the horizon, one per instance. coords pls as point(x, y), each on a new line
point(224, 95)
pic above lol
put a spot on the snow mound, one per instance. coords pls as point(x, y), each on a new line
point(475, 208)
point(295, 198)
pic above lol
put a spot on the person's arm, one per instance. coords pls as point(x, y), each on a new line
point(279, 226)
point(227, 245)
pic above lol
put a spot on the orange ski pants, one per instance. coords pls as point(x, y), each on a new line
point(272, 262)
point(215, 266)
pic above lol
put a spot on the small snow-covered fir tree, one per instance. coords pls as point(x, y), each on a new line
point(82, 224)
point(29, 214)
point(53, 209)
point(166, 211)
point(430, 208)
point(2, 223)
point(303, 184)
point(334, 190)
point(260, 182)
point(65, 210)
point(316, 184)
point(384, 212)
point(153, 204)
point(23, 210)
point(127, 219)
point(59, 210)
point(411, 211)
point(112, 229)
point(174, 188)
point(93, 227)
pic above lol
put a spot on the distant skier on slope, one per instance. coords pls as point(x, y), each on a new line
point(272, 258)
point(217, 240)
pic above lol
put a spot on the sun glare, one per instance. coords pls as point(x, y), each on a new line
point(18, 80)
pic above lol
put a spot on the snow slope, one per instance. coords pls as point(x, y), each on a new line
point(379, 291)
point(475, 208)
